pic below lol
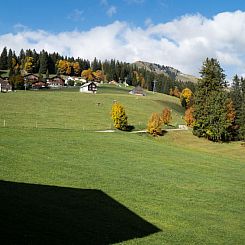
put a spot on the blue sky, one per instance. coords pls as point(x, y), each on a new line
point(67, 15)
point(153, 30)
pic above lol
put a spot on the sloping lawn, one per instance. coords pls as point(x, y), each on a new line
point(191, 190)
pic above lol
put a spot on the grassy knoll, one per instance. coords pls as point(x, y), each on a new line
point(192, 190)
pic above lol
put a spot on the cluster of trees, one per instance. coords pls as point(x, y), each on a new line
point(154, 126)
point(215, 111)
point(30, 61)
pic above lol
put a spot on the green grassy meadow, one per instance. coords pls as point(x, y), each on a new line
point(191, 189)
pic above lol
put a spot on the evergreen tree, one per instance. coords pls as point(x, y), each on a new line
point(96, 65)
point(4, 59)
point(10, 57)
point(35, 56)
point(21, 58)
point(210, 101)
point(43, 59)
point(236, 96)
point(241, 116)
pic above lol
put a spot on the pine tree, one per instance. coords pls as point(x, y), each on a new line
point(241, 116)
point(43, 58)
point(210, 111)
point(236, 96)
point(10, 57)
point(4, 59)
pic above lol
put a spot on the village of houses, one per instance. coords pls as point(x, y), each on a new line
point(32, 82)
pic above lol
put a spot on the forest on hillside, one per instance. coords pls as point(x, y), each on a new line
point(45, 64)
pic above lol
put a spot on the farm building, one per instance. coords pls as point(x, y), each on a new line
point(31, 78)
point(138, 91)
point(56, 82)
point(39, 85)
point(5, 86)
point(89, 87)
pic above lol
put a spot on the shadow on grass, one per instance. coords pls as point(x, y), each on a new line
point(39, 214)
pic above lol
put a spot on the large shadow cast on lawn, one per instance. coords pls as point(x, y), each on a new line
point(39, 214)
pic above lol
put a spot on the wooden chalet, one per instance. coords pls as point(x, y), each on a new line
point(56, 82)
point(5, 86)
point(31, 78)
point(89, 87)
point(39, 85)
point(138, 91)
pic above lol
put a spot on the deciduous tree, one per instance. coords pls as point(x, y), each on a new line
point(189, 118)
point(154, 126)
point(166, 116)
point(186, 97)
point(119, 117)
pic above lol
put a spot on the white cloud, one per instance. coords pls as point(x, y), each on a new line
point(182, 43)
point(148, 22)
point(111, 11)
point(76, 15)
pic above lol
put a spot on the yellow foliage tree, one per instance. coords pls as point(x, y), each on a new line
point(154, 126)
point(186, 97)
point(28, 65)
point(99, 75)
point(189, 118)
point(166, 116)
point(76, 68)
point(88, 74)
point(174, 92)
point(62, 66)
point(231, 112)
point(119, 117)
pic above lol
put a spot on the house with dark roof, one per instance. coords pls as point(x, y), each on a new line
point(5, 86)
point(89, 87)
point(39, 85)
point(138, 91)
point(31, 78)
point(56, 82)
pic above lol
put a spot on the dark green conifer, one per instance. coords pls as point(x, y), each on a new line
point(210, 103)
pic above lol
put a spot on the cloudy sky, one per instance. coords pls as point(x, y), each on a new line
point(178, 33)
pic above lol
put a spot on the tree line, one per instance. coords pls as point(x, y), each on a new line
point(31, 61)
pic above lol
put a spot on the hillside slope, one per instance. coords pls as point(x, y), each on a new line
point(166, 70)
point(69, 108)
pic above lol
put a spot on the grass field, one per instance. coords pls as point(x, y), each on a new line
point(70, 109)
point(112, 187)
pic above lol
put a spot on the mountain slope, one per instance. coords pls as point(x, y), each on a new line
point(166, 70)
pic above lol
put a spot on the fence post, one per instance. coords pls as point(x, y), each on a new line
point(4, 123)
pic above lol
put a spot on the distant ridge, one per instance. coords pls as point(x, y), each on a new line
point(166, 70)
